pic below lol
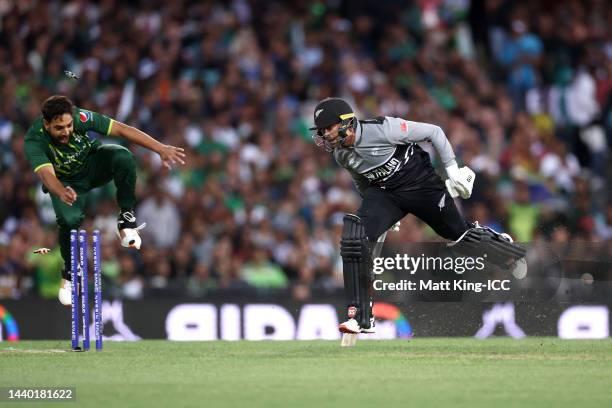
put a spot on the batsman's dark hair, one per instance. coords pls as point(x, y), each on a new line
point(55, 106)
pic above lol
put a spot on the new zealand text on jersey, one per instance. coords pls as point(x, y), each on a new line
point(384, 171)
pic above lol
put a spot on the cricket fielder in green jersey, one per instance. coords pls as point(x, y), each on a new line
point(70, 164)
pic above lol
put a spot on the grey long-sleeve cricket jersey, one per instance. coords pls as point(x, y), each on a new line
point(386, 153)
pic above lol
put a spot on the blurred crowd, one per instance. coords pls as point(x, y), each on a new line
point(521, 89)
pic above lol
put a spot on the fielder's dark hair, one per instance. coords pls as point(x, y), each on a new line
point(56, 106)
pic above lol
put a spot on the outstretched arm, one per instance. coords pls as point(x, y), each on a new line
point(169, 154)
point(50, 180)
point(400, 131)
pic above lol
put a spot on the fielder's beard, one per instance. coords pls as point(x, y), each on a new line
point(63, 139)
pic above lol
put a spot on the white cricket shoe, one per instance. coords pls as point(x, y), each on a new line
point(130, 238)
point(519, 267)
point(65, 293)
point(128, 231)
point(350, 326)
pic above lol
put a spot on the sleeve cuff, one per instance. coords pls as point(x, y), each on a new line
point(41, 166)
point(451, 163)
point(110, 127)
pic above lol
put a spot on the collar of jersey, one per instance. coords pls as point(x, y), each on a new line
point(358, 132)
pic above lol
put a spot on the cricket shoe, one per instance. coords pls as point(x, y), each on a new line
point(128, 231)
point(518, 267)
point(65, 293)
point(350, 326)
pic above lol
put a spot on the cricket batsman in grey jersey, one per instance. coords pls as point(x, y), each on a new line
point(394, 177)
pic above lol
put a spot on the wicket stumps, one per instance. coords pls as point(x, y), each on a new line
point(84, 266)
point(97, 289)
point(79, 265)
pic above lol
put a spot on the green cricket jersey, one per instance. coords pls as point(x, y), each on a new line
point(68, 160)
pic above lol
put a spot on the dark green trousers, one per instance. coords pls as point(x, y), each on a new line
point(108, 162)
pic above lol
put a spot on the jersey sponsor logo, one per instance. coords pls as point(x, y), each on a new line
point(129, 217)
point(84, 116)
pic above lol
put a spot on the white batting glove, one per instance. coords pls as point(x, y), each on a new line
point(460, 181)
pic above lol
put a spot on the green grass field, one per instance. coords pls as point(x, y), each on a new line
point(441, 372)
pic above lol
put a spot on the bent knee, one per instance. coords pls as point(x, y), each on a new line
point(122, 153)
point(122, 157)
